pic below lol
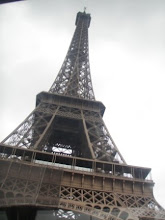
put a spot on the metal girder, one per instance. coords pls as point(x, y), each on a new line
point(65, 129)
point(37, 182)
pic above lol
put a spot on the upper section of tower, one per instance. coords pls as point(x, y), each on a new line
point(83, 15)
point(74, 78)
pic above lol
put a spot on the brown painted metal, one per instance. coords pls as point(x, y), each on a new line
point(62, 155)
point(74, 77)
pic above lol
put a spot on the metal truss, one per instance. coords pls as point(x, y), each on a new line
point(39, 130)
point(74, 77)
point(44, 186)
point(105, 200)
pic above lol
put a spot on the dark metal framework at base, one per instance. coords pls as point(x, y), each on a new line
point(100, 189)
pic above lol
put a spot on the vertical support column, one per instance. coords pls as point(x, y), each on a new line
point(87, 136)
point(36, 146)
point(20, 213)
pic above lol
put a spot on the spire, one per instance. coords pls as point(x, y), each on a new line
point(74, 78)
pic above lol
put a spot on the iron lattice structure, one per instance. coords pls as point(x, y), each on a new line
point(74, 78)
point(62, 157)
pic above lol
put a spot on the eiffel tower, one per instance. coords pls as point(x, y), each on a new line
point(62, 163)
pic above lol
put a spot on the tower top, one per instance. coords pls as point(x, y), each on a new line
point(83, 16)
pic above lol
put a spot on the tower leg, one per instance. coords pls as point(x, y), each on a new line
point(20, 213)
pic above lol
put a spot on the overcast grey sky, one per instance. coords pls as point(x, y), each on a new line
point(127, 51)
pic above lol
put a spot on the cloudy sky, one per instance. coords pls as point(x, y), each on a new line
point(127, 51)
